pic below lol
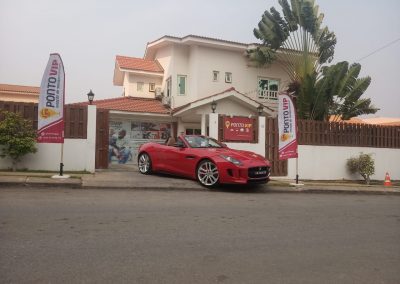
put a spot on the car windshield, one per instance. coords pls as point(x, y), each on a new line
point(202, 142)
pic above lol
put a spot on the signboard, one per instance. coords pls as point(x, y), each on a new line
point(51, 102)
point(287, 128)
point(238, 128)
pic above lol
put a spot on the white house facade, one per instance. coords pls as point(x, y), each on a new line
point(187, 75)
point(182, 70)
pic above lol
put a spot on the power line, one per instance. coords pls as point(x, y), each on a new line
point(379, 49)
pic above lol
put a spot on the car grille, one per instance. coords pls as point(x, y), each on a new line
point(258, 172)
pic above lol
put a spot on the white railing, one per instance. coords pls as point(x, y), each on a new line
point(269, 95)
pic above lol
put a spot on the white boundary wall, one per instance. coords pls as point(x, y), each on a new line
point(79, 154)
point(329, 163)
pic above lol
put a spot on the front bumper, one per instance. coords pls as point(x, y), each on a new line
point(231, 174)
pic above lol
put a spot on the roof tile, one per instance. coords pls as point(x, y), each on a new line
point(131, 104)
point(19, 89)
point(140, 64)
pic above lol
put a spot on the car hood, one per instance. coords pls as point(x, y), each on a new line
point(241, 155)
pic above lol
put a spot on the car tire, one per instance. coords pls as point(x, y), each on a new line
point(207, 173)
point(144, 164)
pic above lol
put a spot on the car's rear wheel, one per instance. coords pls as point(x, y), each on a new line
point(207, 173)
point(144, 163)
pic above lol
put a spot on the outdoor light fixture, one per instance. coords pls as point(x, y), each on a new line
point(213, 106)
point(260, 110)
point(90, 97)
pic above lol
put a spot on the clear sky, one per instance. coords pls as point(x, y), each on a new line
point(89, 34)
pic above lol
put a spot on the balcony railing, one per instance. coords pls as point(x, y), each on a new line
point(269, 95)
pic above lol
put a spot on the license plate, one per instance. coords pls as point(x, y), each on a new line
point(260, 172)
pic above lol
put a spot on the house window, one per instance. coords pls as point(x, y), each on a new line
point(152, 87)
point(228, 77)
point(268, 88)
point(169, 86)
point(181, 85)
point(215, 76)
point(140, 86)
point(193, 131)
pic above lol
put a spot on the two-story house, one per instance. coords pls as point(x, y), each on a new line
point(179, 81)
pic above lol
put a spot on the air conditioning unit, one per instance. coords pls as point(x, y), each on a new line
point(158, 93)
point(166, 101)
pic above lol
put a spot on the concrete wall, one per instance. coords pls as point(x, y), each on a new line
point(79, 154)
point(329, 163)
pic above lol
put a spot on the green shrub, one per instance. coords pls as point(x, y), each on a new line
point(363, 164)
point(17, 137)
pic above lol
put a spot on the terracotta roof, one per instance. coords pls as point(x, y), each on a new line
point(131, 104)
point(133, 63)
point(384, 121)
point(19, 89)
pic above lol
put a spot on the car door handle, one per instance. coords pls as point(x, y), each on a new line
point(190, 157)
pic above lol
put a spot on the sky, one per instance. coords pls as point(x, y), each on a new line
point(89, 34)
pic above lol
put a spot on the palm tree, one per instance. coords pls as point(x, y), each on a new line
point(297, 40)
point(342, 90)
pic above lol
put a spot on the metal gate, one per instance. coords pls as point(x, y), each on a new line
point(278, 168)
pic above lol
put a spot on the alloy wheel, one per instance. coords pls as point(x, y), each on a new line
point(207, 173)
point(144, 163)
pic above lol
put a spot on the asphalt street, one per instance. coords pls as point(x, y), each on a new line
point(56, 235)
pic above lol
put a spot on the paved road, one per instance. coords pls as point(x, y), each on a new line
point(122, 236)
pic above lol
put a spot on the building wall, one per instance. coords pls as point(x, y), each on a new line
point(78, 154)
point(329, 162)
point(198, 63)
point(131, 86)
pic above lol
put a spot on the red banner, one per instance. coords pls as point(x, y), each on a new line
point(238, 129)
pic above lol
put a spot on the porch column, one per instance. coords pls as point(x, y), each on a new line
point(91, 139)
point(213, 125)
point(203, 124)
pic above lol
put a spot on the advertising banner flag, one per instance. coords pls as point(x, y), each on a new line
point(238, 128)
point(51, 102)
point(287, 128)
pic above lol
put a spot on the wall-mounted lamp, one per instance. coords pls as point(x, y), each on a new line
point(213, 106)
point(260, 110)
point(90, 97)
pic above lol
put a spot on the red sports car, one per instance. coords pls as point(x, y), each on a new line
point(205, 159)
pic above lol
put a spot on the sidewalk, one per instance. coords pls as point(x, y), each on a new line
point(132, 179)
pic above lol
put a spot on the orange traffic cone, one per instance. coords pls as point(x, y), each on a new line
point(387, 180)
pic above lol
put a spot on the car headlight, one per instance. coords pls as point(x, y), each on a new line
point(232, 160)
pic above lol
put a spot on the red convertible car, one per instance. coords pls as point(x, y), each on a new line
point(205, 159)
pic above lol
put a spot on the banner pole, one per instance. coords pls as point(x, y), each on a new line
point(297, 170)
point(62, 157)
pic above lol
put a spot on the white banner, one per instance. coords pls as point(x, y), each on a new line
point(51, 102)
point(287, 128)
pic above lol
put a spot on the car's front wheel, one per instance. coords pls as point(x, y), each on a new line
point(144, 163)
point(207, 173)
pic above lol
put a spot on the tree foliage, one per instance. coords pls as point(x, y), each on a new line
point(17, 137)
point(297, 39)
point(337, 93)
point(303, 46)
